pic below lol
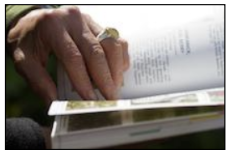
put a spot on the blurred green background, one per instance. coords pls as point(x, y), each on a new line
point(21, 101)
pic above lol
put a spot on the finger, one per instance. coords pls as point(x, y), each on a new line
point(68, 53)
point(98, 65)
point(96, 29)
point(113, 51)
point(96, 62)
point(20, 29)
point(126, 61)
point(36, 75)
point(92, 52)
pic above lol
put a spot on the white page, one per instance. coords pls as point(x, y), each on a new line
point(144, 27)
point(190, 57)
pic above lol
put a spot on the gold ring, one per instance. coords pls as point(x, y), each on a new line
point(108, 33)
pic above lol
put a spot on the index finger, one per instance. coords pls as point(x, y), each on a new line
point(98, 67)
point(70, 57)
point(96, 62)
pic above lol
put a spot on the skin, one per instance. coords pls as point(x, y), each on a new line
point(71, 36)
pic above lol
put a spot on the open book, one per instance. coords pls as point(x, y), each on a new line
point(178, 67)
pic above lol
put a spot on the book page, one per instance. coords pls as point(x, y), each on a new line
point(190, 57)
point(171, 48)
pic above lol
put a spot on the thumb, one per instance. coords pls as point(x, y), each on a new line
point(36, 75)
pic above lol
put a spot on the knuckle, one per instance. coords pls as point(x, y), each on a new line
point(73, 10)
point(49, 15)
point(73, 58)
point(77, 59)
point(19, 61)
point(96, 50)
point(18, 56)
point(69, 52)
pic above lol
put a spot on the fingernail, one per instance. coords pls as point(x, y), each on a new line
point(119, 82)
point(92, 96)
point(115, 94)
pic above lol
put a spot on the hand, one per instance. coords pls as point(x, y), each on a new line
point(70, 35)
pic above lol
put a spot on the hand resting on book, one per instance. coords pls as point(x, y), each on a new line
point(71, 37)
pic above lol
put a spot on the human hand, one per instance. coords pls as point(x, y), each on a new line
point(70, 35)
